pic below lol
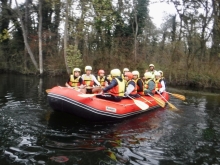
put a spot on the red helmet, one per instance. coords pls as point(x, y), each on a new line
point(101, 72)
point(129, 75)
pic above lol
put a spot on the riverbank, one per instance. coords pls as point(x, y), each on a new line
point(186, 90)
point(203, 84)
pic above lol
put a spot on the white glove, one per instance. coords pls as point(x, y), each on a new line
point(126, 94)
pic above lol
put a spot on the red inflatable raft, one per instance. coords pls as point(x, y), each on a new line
point(95, 109)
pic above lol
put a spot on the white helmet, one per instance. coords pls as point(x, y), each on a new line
point(125, 70)
point(115, 72)
point(88, 68)
point(157, 73)
point(161, 72)
point(148, 75)
point(135, 72)
point(76, 70)
point(151, 65)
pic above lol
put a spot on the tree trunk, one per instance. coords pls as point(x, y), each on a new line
point(40, 38)
point(57, 21)
point(4, 24)
point(136, 31)
point(66, 35)
point(26, 29)
point(215, 49)
point(25, 38)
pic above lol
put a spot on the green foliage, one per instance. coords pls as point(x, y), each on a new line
point(74, 57)
point(104, 15)
point(142, 14)
point(4, 36)
point(207, 79)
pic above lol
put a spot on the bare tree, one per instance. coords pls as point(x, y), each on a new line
point(135, 30)
point(26, 29)
point(40, 38)
point(215, 50)
point(66, 34)
point(25, 38)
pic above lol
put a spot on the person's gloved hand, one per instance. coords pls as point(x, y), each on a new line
point(126, 94)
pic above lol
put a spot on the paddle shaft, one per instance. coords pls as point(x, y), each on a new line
point(163, 97)
point(90, 95)
point(146, 100)
point(130, 97)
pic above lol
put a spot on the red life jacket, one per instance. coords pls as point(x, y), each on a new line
point(118, 90)
point(87, 80)
point(134, 92)
point(74, 82)
point(101, 80)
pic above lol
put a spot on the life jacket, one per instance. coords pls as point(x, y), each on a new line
point(158, 84)
point(138, 88)
point(134, 92)
point(109, 78)
point(74, 82)
point(101, 80)
point(152, 72)
point(118, 90)
point(87, 80)
point(123, 77)
point(146, 85)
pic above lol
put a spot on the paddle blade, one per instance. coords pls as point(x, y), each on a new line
point(181, 97)
point(141, 105)
point(86, 95)
point(160, 102)
point(47, 90)
point(172, 106)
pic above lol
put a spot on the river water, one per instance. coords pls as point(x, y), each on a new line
point(32, 133)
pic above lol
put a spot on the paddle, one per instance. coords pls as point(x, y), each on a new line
point(87, 95)
point(181, 97)
point(139, 103)
point(159, 101)
point(146, 100)
point(88, 87)
point(171, 105)
point(47, 90)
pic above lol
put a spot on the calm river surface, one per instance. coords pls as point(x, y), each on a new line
point(32, 133)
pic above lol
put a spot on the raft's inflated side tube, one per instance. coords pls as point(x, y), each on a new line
point(94, 109)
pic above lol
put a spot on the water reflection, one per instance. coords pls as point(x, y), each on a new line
point(195, 137)
point(119, 142)
point(32, 133)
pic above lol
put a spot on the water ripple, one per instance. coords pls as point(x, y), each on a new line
point(31, 133)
